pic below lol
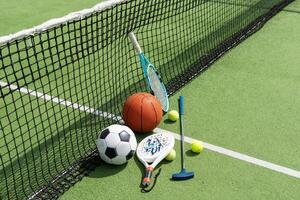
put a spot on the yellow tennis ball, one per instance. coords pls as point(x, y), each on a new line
point(197, 146)
point(171, 156)
point(173, 115)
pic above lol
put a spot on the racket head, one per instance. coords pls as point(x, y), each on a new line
point(158, 87)
point(155, 82)
point(155, 147)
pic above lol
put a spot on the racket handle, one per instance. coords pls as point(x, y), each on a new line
point(147, 178)
point(181, 105)
point(135, 43)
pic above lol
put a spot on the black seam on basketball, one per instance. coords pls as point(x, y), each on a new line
point(129, 107)
point(126, 113)
point(156, 121)
point(142, 100)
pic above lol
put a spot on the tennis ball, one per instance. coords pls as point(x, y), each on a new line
point(173, 115)
point(197, 146)
point(171, 156)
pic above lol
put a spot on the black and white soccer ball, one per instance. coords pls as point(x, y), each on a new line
point(116, 144)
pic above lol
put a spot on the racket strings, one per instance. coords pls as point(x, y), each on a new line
point(158, 88)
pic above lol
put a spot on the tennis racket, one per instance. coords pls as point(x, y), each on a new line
point(152, 76)
point(154, 149)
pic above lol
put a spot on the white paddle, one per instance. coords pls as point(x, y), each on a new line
point(154, 149)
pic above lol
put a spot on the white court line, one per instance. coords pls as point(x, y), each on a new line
point(63, 102)
point(214, 148)
point(240, 156)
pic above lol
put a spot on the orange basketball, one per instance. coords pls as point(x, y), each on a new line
point(142, 112)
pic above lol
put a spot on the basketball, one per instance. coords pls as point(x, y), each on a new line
point(142, 112)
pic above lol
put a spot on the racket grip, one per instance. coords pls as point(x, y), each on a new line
point(135, 43)
point(147, 178)
point(181, 105)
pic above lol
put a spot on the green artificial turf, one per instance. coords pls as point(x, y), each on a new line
point(216, 177)
point(17, 15)
point(247, 101)
point(294, 7)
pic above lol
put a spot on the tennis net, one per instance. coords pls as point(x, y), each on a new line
point(61, 81)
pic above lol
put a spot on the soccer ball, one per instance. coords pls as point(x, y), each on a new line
point(116, 144)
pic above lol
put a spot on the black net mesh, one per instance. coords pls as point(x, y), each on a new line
point(58, 87)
